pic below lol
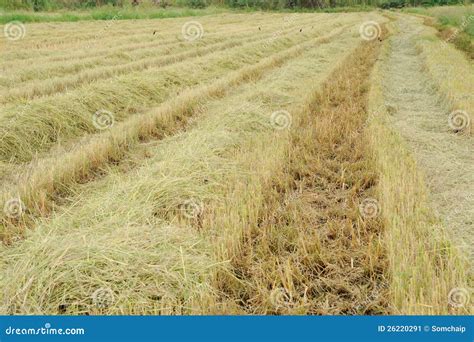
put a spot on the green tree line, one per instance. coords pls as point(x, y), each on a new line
point(40, 5)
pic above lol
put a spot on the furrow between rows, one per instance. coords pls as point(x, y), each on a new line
point(308, 248)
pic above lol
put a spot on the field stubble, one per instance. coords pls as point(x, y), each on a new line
point(219, 134)
point(223, 185)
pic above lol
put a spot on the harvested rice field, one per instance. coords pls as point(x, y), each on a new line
point(257, 163)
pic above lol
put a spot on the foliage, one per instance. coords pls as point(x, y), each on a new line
point(45, 5)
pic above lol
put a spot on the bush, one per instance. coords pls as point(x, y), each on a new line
point(193, 3)
point(393, 4)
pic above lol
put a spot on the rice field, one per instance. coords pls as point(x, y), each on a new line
point(257, 163)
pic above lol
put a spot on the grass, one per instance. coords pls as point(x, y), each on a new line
point(454, 16)
point(148, 12)
point(110, 13)
point(424, 264)
point(248, 172)
point(48, 176)
point(307, 250)
point(109, 40)
point(217, 149)
point(454, 23)
point(195, 164)
point(121, 63)
point(105, 13)
point(81, 162)
point(62, 118)
point(453, 76)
